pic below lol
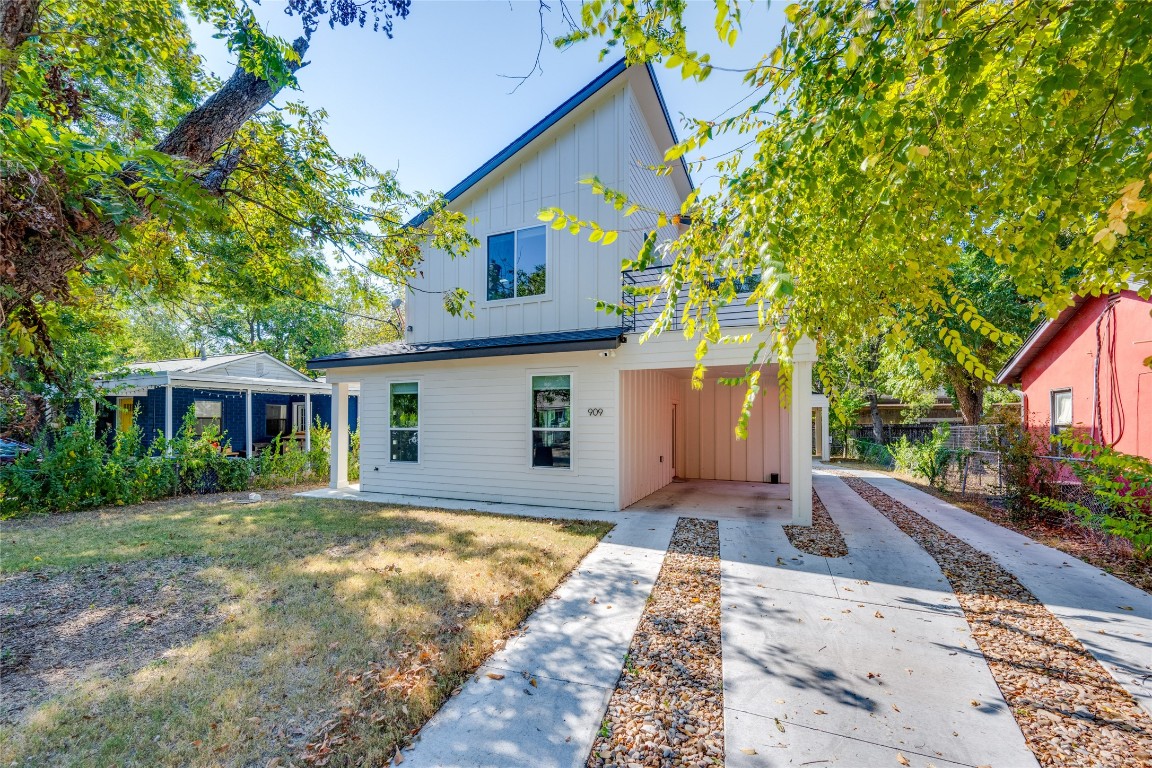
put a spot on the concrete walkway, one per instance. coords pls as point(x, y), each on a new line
point(572, 647)
point(851, 661)
point(845, 661)
point(1110, 617)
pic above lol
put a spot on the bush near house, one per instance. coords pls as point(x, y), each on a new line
point(1116, 491)
point(72, 468)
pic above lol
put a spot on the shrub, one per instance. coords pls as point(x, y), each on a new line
point(928, 458)
point(321, 444)
point(354, 455)
point(866, 450)
point(1025, 474)
point(1120, 484)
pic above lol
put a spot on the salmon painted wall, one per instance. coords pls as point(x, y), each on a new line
point(712, 451)
point(1125, 384)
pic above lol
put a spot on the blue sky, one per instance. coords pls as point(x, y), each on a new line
point(432, 103)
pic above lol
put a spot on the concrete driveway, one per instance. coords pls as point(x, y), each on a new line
point(855, 661)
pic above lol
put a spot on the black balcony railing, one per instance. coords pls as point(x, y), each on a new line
point(642, 311)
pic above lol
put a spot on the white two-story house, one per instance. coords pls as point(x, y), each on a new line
point(540, 398)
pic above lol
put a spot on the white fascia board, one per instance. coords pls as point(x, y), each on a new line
point(219, 381)
point(134, 382)
point(197, 380)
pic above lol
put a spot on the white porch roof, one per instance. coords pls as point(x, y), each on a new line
point(196, 380)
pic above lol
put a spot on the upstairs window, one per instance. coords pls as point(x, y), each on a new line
point(206, 412)
point(275, 420)
point(516, 264)
point(404, 421)
point(552, 421)
point(1061, 410)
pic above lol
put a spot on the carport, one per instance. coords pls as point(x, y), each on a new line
point(672, 432)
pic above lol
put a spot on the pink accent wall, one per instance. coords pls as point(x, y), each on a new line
point(1125, 384)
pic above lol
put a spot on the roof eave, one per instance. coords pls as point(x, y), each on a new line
point(578, 345)
point(549, 120)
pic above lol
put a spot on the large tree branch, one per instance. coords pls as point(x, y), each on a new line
point(205, 129)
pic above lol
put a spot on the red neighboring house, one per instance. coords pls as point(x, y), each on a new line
point(1086, 369)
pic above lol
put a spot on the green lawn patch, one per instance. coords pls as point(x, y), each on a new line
point(220, 633)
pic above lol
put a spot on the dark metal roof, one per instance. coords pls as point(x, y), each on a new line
point(524, 344)
point(550, 120)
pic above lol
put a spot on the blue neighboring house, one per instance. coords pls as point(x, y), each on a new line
point(251, 397)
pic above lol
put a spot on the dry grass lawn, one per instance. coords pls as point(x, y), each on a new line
point(283, 632)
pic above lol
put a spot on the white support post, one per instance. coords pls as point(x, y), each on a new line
point(825, 435)
point(168, 412)
point(338, 458)
point(248, 423)
point(307, 421)
point(800, 485)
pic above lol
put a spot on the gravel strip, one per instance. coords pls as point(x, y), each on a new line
point(668, 707)
point(822, 538)
point(1072, 712)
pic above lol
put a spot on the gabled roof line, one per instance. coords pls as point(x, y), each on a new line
point(549, 120)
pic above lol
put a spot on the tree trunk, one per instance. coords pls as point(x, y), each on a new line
point(877, 422)
point(17, 20)
point(46, 251)
point(969, 394)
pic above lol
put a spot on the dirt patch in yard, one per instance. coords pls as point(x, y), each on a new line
point(62, 629)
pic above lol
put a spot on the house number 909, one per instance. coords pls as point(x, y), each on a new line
point(595, 411)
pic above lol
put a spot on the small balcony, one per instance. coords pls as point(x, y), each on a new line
point(641, 314)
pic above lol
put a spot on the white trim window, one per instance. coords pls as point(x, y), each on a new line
point(552, 420)
point(1061, 404)
point(207, 412)
point(517, 263)
point(404, 421)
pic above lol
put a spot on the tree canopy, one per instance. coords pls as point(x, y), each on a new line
point(131, 175)
point(886, 143)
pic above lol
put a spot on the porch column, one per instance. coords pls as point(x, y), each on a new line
point(338, 457)
point(248, 423)
point(168, 412)
point(307, 421)
point(800, 483)
point(825, 435)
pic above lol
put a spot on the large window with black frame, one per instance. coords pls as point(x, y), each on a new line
point(404, 421)
point(552, 421)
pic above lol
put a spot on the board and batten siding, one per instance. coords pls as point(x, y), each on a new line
point(546, 173)
point(475, 441)
point(646, 450)
point(645, 186)
point(714, 453)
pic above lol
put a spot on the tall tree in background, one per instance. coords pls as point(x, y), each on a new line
point(891, 138)
point(126, 168)
point(338, 314)
point(998, 302)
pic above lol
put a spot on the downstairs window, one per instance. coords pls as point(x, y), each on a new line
point(552, 421)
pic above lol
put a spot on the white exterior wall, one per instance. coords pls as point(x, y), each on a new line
point(644, 186)
point(546, 173)
point(475, 440)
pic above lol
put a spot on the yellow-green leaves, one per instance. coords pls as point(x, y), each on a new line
point(561, 220)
